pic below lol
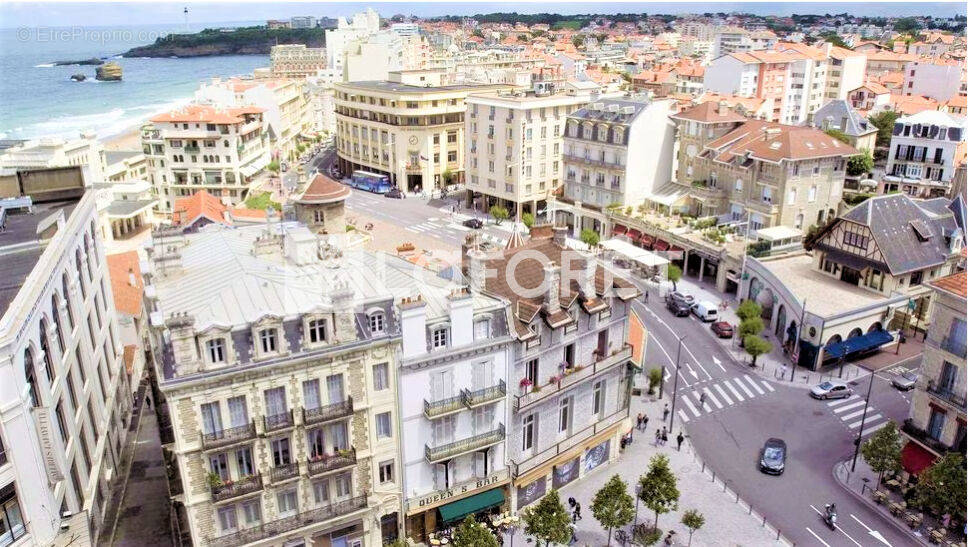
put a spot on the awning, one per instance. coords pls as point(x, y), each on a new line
point(619, 230)
point(915, 458)
point(661, 245)
point(251, 169)
point(459, 509)
point(646, 240)
point(634, 234)
point(864, 342)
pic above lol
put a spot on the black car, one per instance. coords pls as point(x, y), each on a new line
point(394, 193)
point(474, 223)
point(678, 307)
point(773, 457)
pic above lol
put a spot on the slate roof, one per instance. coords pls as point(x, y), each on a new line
point(838, 114)
point(895, 221)
point(605, 115)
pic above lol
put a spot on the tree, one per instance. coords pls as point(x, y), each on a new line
point(750, 327)
point(447, 177)
point(748, 309)
point(548, 521)
point(839, 135)
point(612, 506)
point(499, 214)
point(756, 346)
point(861, 163)
point(655, 378)
point(882, 451)
point(941, 487)
point(273, 166)
point(907, 24)
point(578, 40)
point(528, 220)
point(589, 237)
point(835, 39)
point(657, 488)
point(674, 273)
point(884, 122)
point(478, 33)
point(643, 534)
point(693, 520)
point(471, 533)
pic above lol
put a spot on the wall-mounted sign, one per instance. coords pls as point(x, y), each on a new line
point(565, 473)
point(596, 455)
point(46, 431)
point(531, 492)
point(439, 497)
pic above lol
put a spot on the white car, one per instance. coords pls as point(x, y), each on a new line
point(831, 390)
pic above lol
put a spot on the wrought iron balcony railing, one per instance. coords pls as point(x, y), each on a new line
point(278, 421)
point(228, 436)
point(284, 472)
point(233, 489)
point(447, 451)
point(292, 522)
point(332, 462)
point(326, 413)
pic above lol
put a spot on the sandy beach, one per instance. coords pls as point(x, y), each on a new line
point(129, 139)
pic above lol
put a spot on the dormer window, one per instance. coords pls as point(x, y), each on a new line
point(267, 339)
point(317, 331)
point(216, 350)
point(377, 322)
point(618, 135)
point(439, 337)
point(482, 329)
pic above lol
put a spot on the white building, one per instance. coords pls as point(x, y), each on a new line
point(57, 152)
point(362, 24)
point(926, 148)
point(405, 29)
point(936, 79)
point(302, 21)
point(64, 401)
point(296, 60)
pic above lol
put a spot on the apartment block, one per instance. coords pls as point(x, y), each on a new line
point(296, 60)
point(514, 149)
point(48, 152)
point(64, 398)
point(935, 78)
point(203, 147)
point(926, 149)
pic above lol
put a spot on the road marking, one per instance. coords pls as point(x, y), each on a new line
point(718, 364)
point(688, 403)
point(870, 430)
point(856, 424)
point(855, 404)
point(767, 385)
point(704, 406)
point(712, 398)
point(723, 393)
point(682, 415)
point(752, 383)
point(743, 387)
point(838, 528)
point(853, 414)
point(698, 364)
point(734, 392)
point(842, 401)
point(874, 533)
point(818, 537)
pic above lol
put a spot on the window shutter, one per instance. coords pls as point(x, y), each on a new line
point(898, 128)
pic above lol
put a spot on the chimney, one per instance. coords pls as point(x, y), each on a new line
point(477, 269)
point(413, 326)
point(461, 309)
point(552, 287)
point(342, 298)
point(723, 108)
point(560, 235)
point(586, 281)
point(181, 330)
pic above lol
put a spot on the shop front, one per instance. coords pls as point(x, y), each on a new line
point(436, 513)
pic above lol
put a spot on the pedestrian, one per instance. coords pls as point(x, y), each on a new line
point(702, 399)
point(577, 511)
point(646, 291)
point(638, 422)
point(658, 436)
point(665, 438)
point(665, 412)
point(148, 401)
point(679, 439)
point(645, 422)
point(571, 503)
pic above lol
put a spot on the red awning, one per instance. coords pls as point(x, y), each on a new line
point(661, 245)
point(634, 234)
point(915, 458)
point(676, 248)
point(647, 241)
point(619, 230)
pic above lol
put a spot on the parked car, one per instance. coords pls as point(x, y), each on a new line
point(773, 456)
point(905, 380)
point(705, 311)
point(394, 193)
point(677, 307)
point(831, 390)
point(474, 223)
point(682, 297)
point(722, 329)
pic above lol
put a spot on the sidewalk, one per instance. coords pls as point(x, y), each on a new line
point(729, 520)
point(144, 513)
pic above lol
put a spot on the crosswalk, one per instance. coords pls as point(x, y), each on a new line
point(850, 411)
point(435, 225)
point(721, 394)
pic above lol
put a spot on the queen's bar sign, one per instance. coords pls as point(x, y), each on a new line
point(45, 429)
point(464, 489)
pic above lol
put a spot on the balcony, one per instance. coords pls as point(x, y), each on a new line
point(574, 158)
point(284, 472)
point(234, 489)
point(290, 523)
point(521, 467)
point(483, 396)
point(278, 421)
point(922, 437)
point(465, 399)
point(954, 346)
point(191, 149)
point(947, 396)
point(443, 407)
point(448, 451)
point(330, 412)
point(539, 394)
point(228, 436)
point(331, 462)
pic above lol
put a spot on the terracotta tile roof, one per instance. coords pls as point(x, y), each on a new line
point(199, 113)
point(875, 88)
point(129, 352)
point(323, 189)
point(890, 56)
point(127, 297)
point(815, 53)
point(201, 204)
point(956, 284)
point(912, 104)
point(958, 101)
point(253, 214)
point(709, 112)
point(774, 142)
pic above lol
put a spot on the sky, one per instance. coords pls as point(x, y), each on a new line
point(60, 14)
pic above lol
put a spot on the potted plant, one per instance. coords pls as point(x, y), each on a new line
point(554, 379)
point(525, 384)
point(214, 480)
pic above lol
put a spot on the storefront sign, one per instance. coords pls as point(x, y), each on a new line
point(530, 493)
point(565, 473)
point(596, 455)
point(459, 491)
point(46, 430)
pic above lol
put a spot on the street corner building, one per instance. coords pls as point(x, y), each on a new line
point(64, 401)
point(571, 362)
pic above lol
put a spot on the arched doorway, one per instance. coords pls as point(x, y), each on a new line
point(876, 326)
point(780, 322)
point(855, 333)
point(765, 299)
point(755, 287)
point(835, 339)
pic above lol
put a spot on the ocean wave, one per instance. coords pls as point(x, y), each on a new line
point(45, 65)
point(105, 124)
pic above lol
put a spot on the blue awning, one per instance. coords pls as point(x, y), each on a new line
point(850, 346)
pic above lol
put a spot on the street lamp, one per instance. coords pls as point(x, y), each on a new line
point(675, 386)
point(863, 418)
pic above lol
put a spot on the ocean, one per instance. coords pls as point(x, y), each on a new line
point(38, 99)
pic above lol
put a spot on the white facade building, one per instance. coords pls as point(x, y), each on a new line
point(935, 79)
point(57, 152)
point(926, 148)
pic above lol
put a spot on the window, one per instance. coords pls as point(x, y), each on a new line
point(31, 379)
point(317, 330)
point(227, 519)
point(243, 459)
point(381, 376)
point(344, 485)
point(739, 185)
point(812, 194)
point(275, 401)
point(311, 394)
point(386, 471)
point(528, 433)
point(268, 339)
point(211, 418)
point(238, 412)
point(377, 323)
point(45, 352)
point(598, 397)
point(280, 452)
point(287, 502)
point(383, 430)
point(11, 521)
point(321, 492)
point(252, 512)
point(531, 370)
point(59, 415)
point(216, 350)
point(855, 240)
point(564, 415)
point(439, 337)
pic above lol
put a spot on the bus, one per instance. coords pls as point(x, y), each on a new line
point(371, 182)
